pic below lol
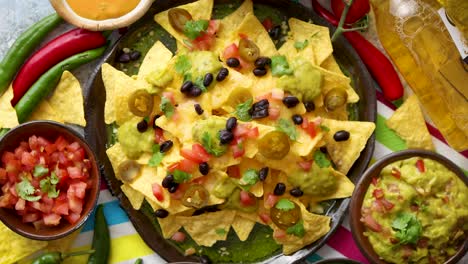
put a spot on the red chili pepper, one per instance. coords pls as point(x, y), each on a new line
point(378, 64)
point(420, 166)
point(357, 11)
point(68, 44)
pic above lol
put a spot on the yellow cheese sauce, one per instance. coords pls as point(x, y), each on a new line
point(102, 9)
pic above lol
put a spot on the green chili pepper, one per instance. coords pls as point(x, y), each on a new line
point(57, 257)
point(23, 47)
point(101, 238)
point(139, 261)
point(49, 80)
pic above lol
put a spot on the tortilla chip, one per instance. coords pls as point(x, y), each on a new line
point(7, 112)
point(408, 122)
point(288, 50)
point(333, 80)
point(156, 59)
point(345, 153)
point(206, 229)
point(330, 64)
point(318, 37)
point(169, 226)
point(199, 10)
point(135, 197)
point(63, 244)
point(116, 157)
point(242, 226)
point(45, 112)
point(15, 247)
point(67, 100)
point(344, 189)
point(234, 83)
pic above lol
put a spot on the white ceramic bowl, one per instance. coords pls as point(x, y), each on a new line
point(67, 13)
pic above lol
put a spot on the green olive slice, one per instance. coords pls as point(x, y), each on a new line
point(128, 170)
point(196, 196)
point(284, 219)
point(141, 103)
point(335, 98)
point(248, 50)
point(178, 17)
point(274, 145)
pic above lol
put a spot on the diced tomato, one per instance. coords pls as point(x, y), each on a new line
point(60, 207)
point(31, 217)
point(3, 176)
point(7, 200)
point(237, 150)
point(179, 193)
point(277, 94)
point(19, 151)
point(159, 135)
point(78, 155)
point(378, 193)
point(271, 200)
point(73, 146)
point(20, 204)
point(77, 189)
point(170, 96)
point(28, 160)
point(158, 192)
point(268, 24)
point(396, 173)
point(309, 127)
point(446, 199)
point(51, 148)
point(187, 165)
point(75, 204)
point(233, 171)
point(61, 143)
point(203, 42)
point(42, 142)
point(420, 165)
point(370, 222)
point(62, 174)
point(36, 205)
point(197, 154)
point(33, 144)
point(74, 172)
point(51, 219)
point(231, 51)
point(72, 218)
point(252, 133)
point(305, 165)
point(213, 27)
point(265, 218)
point(279, 233)
point(173, 167)
point(375, 181)
point(393, 188)
point(178, 237)
point(387, 204)
point(247, 199)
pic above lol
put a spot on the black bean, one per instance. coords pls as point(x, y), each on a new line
point(195, 91)
point(231, 123)
point(263, 173)
point(134, 55)
point(186, 87)
point(259, 71)
point(324, 150)
point(222, 74)
point(290, 101)
point(142, 126)
point(173, 187)
point(205, 259)
point(280, 188)
point(154, 121)
point(309, 106)
point(259, 109)
point(341, 135)
point(161, 213)
point(198, 109)
point(225, 136)
point(166, 146)
point(262, 62)
point(168, 181)
point(208, 79)
point(260, 114)
point(204, 168)
point(275, 32)
point(124, 58)
point(262, 104)
point(233, 62)
point(297, 119)
point(296, 192)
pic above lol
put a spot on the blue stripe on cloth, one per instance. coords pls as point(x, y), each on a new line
point(314, 257)
point(114, 215)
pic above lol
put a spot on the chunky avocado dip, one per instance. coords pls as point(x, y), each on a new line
point(416, 212)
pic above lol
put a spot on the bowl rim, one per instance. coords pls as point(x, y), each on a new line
point(337, 260)
point(362, 185)
point(91, 155)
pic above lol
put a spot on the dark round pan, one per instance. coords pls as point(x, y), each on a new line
point(95, 131)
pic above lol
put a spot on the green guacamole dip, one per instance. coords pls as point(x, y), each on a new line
point(416, 211)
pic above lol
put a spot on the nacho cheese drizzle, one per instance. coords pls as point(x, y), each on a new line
point(102, 9)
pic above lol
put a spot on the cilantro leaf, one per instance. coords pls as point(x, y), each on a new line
point(220, 231)
point(211, 145)
point(181, 176)
point(324, 128)
point(242, 110)
point(408, 227)
point(53, 178)
point(321, 159)
point(284, 204)
point(44, 184)
point(297, 229)
point(280, 66)
point(182, 64)
point(287, 127)
point(25, 190)
point(167, 107)
point(156, 158)
point(250, 177)
point(194, 28)
point(40, 170)
point(199, 82)
point(301, 45)
point(53, 193)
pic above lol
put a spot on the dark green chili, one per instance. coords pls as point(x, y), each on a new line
point(58, 257)
point(49, 80)
point(23, 47)
point(101, 238)
point(139, 261)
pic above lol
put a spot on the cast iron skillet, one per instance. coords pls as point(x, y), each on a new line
point(95, 131)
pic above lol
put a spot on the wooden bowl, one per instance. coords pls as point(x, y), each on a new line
point(67, 13)
point(358, 228)
point(49, 130)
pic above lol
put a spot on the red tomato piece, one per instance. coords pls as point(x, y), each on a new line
point(170, 96)
point(28, 160)
point(178, 237)
point(387, 204)
point(252, 133)
point(375, 181)
point(370, 222)
point(187, 165)
point(30, 217)
point(20, 204)
point(73, 146)
point(3, 176)
point(74, 172)
point(420, 165)
point(61, 207)
point(279, 233)
point(268, 24)
point(173, 167)
point(72, 218)
point(237, 150)
point(358, 10)
point(159, 135)
point(247, 199)
point(271, 200)
point(378, 193)
point(231, 51)
point(265, 218)
point(233, 171)
point(75, 204)
point(158, 192)
point(305, 165)
point(33, 144)
point(396, 173)
point(61, 143)
point(51, 219)
point(77, 189)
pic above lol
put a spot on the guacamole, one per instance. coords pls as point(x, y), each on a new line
point(206, 132)
point(316, 182)
point(132, 141)
point(416, 212)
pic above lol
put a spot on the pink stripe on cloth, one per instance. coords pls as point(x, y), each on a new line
point(432, 130)
point(342, 241)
